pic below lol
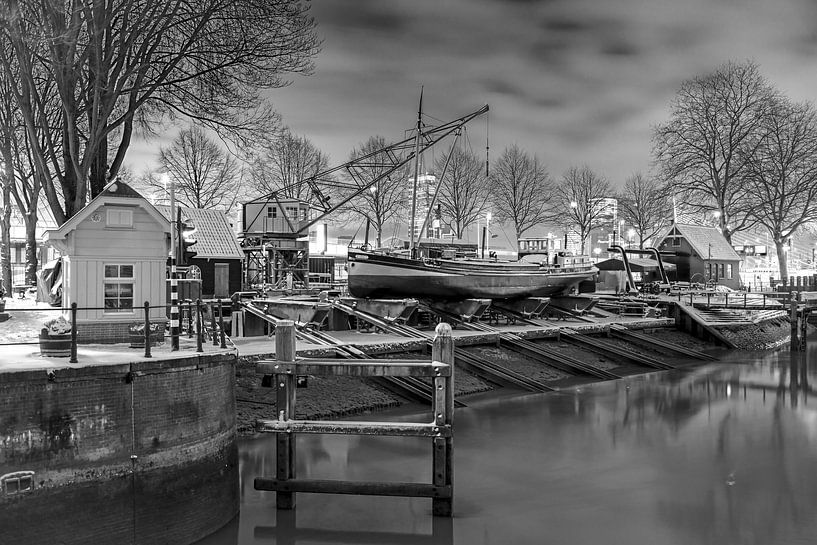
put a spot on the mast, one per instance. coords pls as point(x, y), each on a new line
point(412, 247)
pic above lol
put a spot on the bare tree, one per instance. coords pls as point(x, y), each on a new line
point(113, 65)
point(388, 198)
point(282, 163)
point(463, 190)
point(520, 189)
point(782, 174)
point(204, 174)
point(645, 204)
point(714, 127)
point(578, 197)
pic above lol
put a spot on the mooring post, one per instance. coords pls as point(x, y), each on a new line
point(443, 451)
point(221, 324)
point(199, 327)
point(795, 344)
point(147, 329)
point(213, 323)
point(189, 318)
point(285, 405)
point(73, 358)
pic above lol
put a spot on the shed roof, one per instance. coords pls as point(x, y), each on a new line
point(214, 236)
point(707, 242)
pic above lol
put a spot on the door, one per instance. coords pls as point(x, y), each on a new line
point(221, 287)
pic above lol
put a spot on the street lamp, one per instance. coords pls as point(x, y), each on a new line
point(488, 232)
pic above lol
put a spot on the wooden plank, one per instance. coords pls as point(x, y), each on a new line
point(363, 488)
point(344, 427)
point(357, 367)
point(443, 447)
point(285, 403)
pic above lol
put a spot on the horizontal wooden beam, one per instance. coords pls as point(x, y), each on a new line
point(362, 488)
point(357, 367)
point(351, 427)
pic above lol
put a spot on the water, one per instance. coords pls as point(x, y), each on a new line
point(724, 453)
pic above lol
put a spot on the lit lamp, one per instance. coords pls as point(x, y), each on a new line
point(597, 252)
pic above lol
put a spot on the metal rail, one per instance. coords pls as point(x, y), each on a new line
point(523, 346)
point(481, 367)
point(406, 387)
point(645, 340)
point(605, 348)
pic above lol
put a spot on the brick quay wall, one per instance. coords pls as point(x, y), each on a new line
point(139, 453)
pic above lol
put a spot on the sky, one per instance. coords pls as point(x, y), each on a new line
point(574, 82)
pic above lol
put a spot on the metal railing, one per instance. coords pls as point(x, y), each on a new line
point(193, 310)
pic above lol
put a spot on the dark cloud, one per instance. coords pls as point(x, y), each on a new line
point(367, 15)
point(502, 87)
point(562, 24)
point(619, 48)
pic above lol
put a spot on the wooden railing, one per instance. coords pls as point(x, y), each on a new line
point(284, 371)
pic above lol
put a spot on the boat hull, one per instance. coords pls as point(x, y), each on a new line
point(375, 275)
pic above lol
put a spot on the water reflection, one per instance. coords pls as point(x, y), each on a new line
point(722, 453)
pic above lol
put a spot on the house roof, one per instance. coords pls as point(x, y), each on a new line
point(707, 242)
point(116, 192)
point(214, 236)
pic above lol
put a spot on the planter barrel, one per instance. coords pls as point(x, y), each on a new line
point(58, 345)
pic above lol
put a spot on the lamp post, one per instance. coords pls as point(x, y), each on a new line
point(488, 232)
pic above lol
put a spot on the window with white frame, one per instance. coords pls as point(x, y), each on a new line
point(119, 217)
point(118, 288)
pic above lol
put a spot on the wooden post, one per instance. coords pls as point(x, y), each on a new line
point(803, 327)
point(443, 451)
point(221, 324)
point(199, 327)
point(285, 405)
point(147, 329)
point(795, 344)
point(213, 323)
point(189, 318)
point(73, 358)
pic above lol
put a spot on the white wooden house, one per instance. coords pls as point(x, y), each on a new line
point(115, 254)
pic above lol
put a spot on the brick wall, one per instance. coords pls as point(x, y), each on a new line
point(108, 332)
point(137, 453)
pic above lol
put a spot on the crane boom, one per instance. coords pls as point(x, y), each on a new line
point(390, 157)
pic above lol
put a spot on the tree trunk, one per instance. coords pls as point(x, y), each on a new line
point(782, 261)
point(99, 169)
point(5, 241)
point(32, 259)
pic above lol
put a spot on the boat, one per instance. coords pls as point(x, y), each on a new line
point(383, 274)
point(410, 272)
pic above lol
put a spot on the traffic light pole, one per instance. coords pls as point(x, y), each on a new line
point(174, 281)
